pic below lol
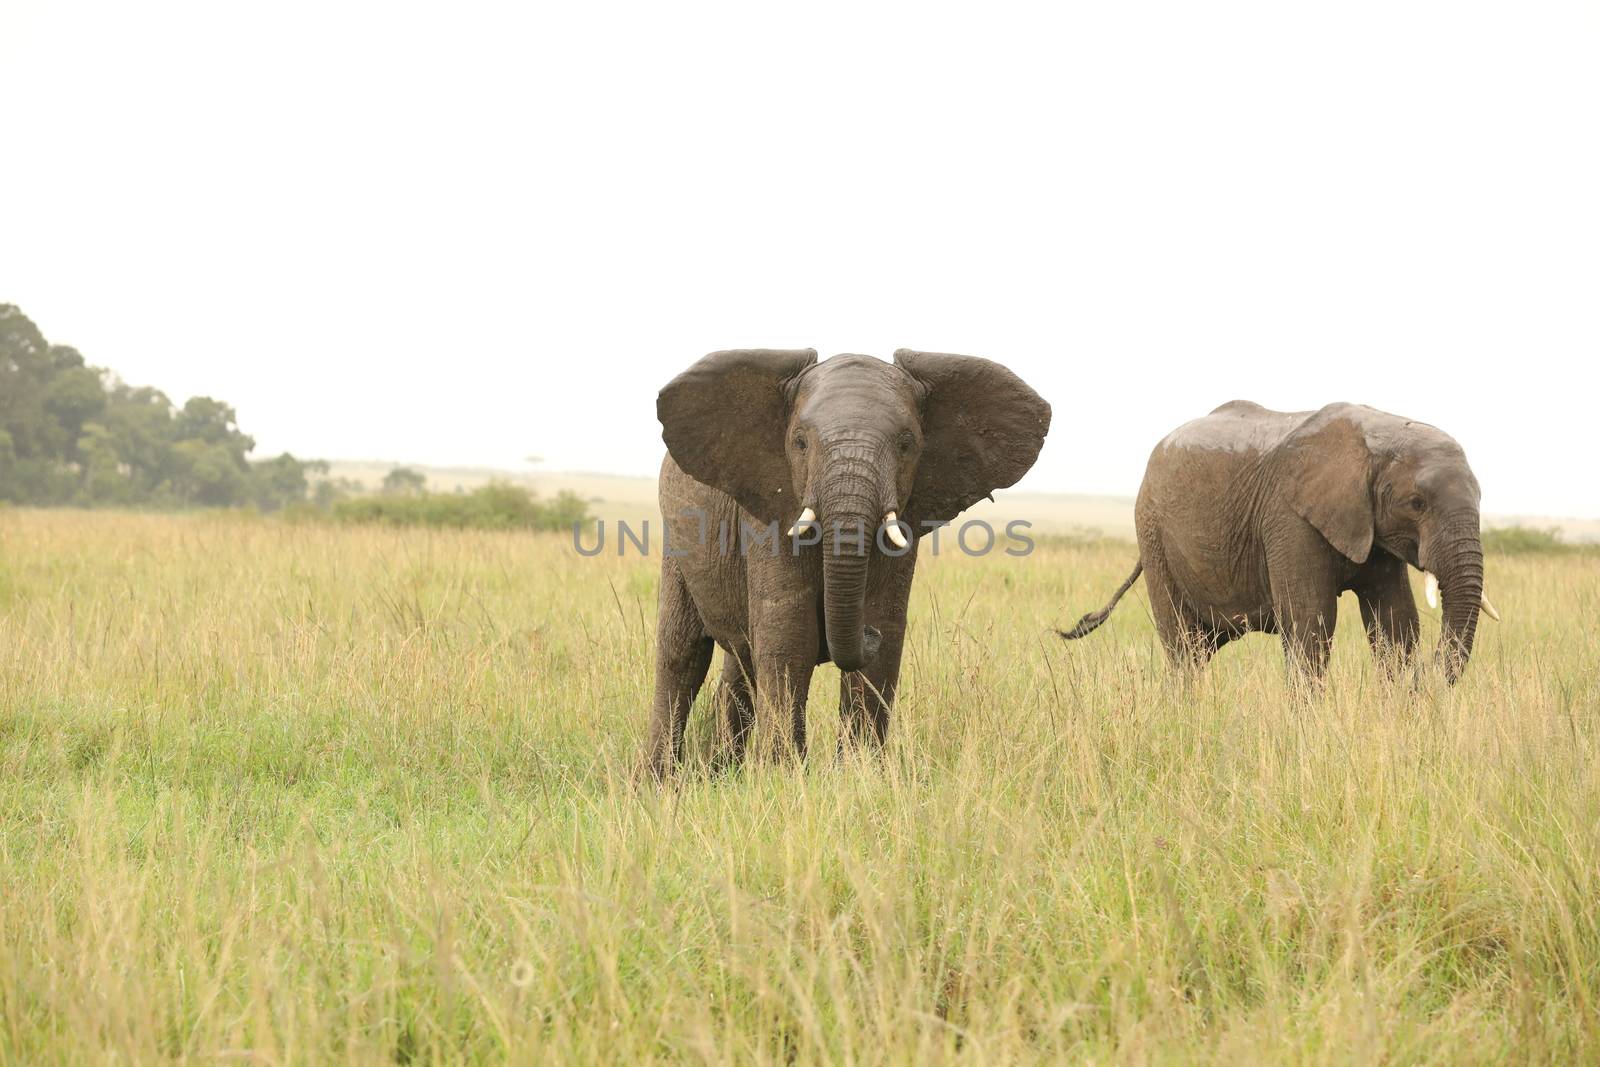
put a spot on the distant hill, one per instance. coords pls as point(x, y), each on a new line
point(617, 496)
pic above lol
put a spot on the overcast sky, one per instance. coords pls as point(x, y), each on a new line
point(470, 233)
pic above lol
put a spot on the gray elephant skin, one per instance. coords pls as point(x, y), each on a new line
point(1256, 520)
point(853, 444)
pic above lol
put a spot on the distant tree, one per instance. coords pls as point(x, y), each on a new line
point(567, 509)
point(141, 423)
point(8, 462)
point(212, 421)
point(105, 476)
point(330, 491)
point(280, 482)
point(71, 433)
point(24, 375)
point(210, 475)
point(37, 439)
point(403, 481)
point(74, 396)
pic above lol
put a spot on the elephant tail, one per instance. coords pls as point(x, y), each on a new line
point(1091, 622)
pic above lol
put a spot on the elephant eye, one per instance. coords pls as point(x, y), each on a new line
point(905, 442)
point(1418, 504)
point(800, 442)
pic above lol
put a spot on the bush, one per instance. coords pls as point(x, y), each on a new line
point(1521, 540)
point(496, 506)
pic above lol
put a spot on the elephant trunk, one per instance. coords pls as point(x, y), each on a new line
point(1455, 555)
point(851, 503)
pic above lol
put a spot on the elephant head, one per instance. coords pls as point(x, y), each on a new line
point(854, 442)
point(1362, 477)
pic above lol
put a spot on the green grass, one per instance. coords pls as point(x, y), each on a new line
point(302, 793)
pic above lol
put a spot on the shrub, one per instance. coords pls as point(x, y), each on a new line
point(496, 506)
point(1521, 540)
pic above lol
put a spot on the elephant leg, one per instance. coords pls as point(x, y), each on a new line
point(1306, 610)
point(1388, 610)
point(738, 694)
point(786, 643)
point(865, 697)
point(683, 655)
point(1304, 575)
point(1182, 637)
point(1192, 644)
point(1202, 643)
point(783, 682)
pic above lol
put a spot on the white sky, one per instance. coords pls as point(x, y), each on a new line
point(470, 233)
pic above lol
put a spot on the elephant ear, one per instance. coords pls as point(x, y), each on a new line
point(1326, 469)
point(724, 421)
point(982, 428)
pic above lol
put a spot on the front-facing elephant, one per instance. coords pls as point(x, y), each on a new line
point(789, 490)
point(1256, 520)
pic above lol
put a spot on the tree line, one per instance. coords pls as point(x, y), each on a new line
point(77, 435)
point(72, 433)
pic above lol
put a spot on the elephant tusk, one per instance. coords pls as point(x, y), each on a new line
point(892, 528)
point(807, 517)
point(1430, 589)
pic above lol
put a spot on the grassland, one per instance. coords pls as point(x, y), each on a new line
point(294, 793)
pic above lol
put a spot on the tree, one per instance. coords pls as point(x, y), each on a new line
point(210, 474)
point(25, 373)
point(330, 491)
point(280, 482)
point(403, 481)
point(141, 423)
point(74, 396)
point(8, 462)
point(105, 476)
point(72, 433)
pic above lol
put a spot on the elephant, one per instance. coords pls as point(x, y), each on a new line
point(847, 456)
point(1251, 520)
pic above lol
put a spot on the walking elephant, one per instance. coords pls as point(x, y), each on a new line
point(1256, 520)
point(788, 491)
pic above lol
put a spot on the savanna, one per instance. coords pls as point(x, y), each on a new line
point(299, 791)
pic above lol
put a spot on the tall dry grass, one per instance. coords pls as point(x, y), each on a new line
point(300, 794)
